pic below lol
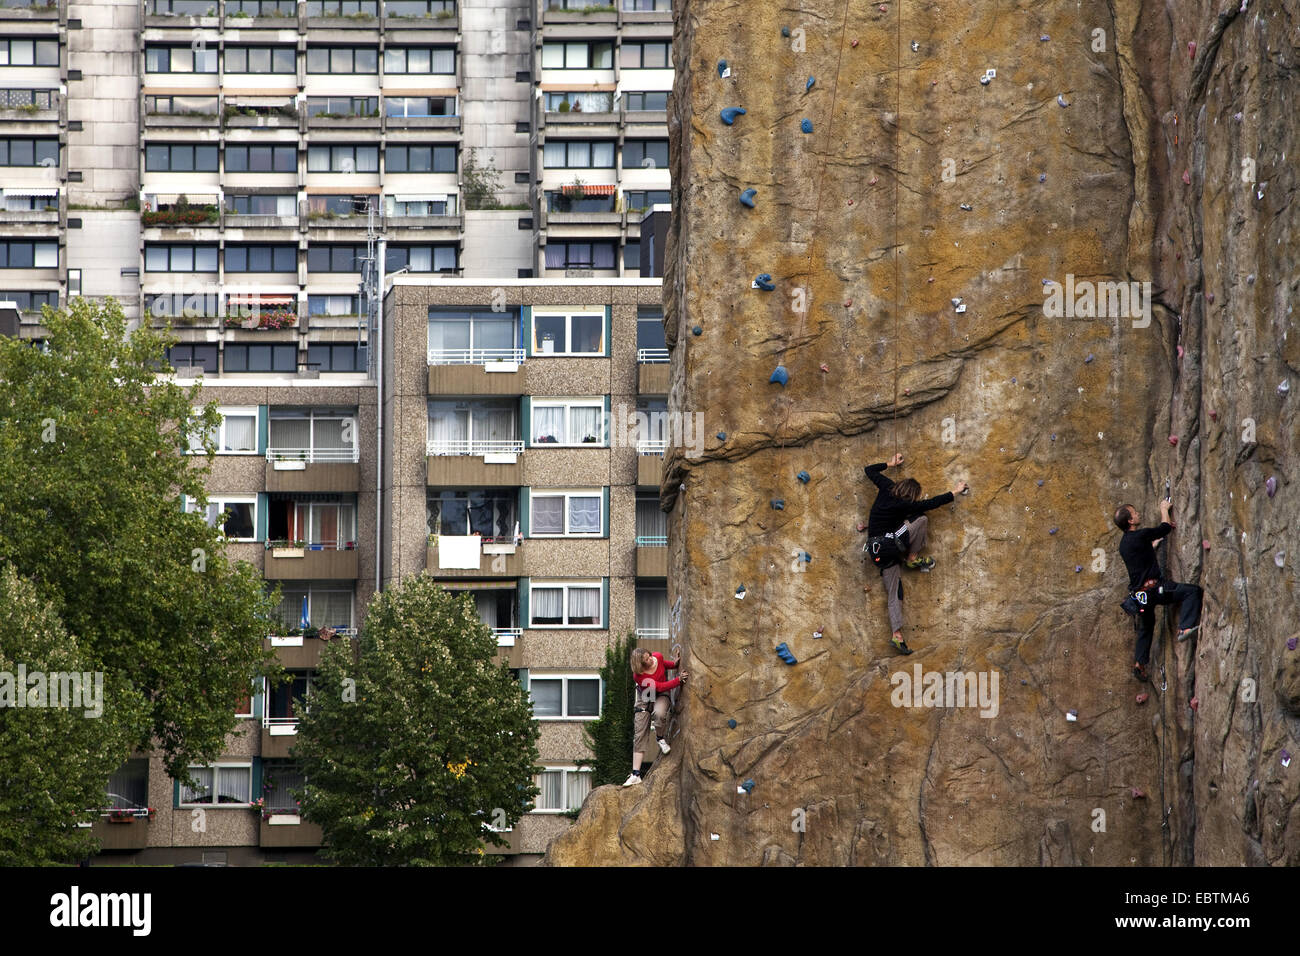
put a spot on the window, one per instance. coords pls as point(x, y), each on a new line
point(433, 205)
point(578, 56)
point(181, 8)
point(178, 305)
point(193, 356)
point(21, 51)
point(576, 102)
point(642, 199)
point(440, 9)
point(420, 59)
point(342, 8)
point(568, 200)
point(180, 158)
point(283, 783)
point(652, 612)
point(179, 59)
point(647, 153)
point(262, 8)
point(496, 608)
point(128, 786)
point(420, 159)
point(336, 106)
point(578, 333)
point(286, 702)
point(566, 513)
point(421, 258)
point(313, 434)
point(262, 159)
point(646, 56)
point(473, 428)
point(326, 606)
point(648, 100)
point(240, 523)
point(651, 522)
point(565, 695)
point(490, 512)
point(577, 154)
point(331, 357)
point(342, 159)
point(260, 59)
point(262, 204)
point(325, 523)
point(16, 254)
point(416, 106)
point(278, 258)
point(342, 59)
point(236, 435)
point(179, 258)
point(576, 422)
point(580, 255)
point(644, 5)
point(261, 358)
point(29, 152)
point(172, 105)
point(632, 257)
point(471, 337)
point(338, 207)
point(219, 785)
point(335, 258)
point(562, 788)
point(348, 305)
point(31, 301)
point(650, 330)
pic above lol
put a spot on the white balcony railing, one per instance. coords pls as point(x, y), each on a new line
point(281, 726)
point(474, 356)
point(651, 356)
point(437, 448)
point(652, 541)
point(657, 447)
point(313, 455)
point(506, 636)
point(652, 633)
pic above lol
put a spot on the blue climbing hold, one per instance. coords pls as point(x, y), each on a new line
point(722, 436)
point(1040, 482)
point(780, 376)
point(764, 282)
point(1053, 437)
point(806, 125)
point(732, 723)
point(1088, 360)
point(809, 85)
point(747, 197)
point(778, 504)
point(748, 785)
point(806, 557)
point(785, 31)
point(783, 652)
point(1042, 177)
point(803, 476)
point(1053, 530)
point(740, 592)
point(722, 68)
point(730, 113)
point(697, 331)
point(1078, 568)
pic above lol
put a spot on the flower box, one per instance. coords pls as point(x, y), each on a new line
point(288, 552)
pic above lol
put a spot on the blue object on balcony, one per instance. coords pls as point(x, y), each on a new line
point(806, 125)
point(730, 113)
point(315, 547)
point(764, 282)
point(304, 622)
point(747, 197)
point(803, 476)
point(780, 376)
point(778, 504)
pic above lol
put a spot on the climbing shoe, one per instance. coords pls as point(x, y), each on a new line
point(1140, 672)
point(663, 745)
point(1184, 635)
point(900, 646)
point(920, 564)
point(632, 778)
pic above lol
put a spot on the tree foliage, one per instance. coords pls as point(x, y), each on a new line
point(481, 182)
point(91, 471)
point(418, 739)
point(610, 736)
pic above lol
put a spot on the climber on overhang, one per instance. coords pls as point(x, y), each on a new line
point(897, 527)
point(1147, 584)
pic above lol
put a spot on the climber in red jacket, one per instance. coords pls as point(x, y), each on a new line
point(650, 674)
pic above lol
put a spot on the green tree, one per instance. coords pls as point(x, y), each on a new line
point(54, 761)
point(420, 738)
point(610, 736)
point(91, 472)
point(480, 183)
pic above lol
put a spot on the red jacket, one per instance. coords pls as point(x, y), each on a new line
point(658, 678)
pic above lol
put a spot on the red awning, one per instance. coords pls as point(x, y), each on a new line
point(572, 189)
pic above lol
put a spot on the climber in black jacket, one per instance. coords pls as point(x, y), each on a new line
point(898, 514)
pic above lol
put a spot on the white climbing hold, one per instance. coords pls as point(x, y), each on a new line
point(1280, 559)
point(1061, 101)
point(1284, 387)
point(915, 46)
point(714, 836)
point(1072, 715)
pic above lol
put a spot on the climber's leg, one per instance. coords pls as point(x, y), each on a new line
point(660, 722)
point(1189, 597)
point(916, 532)
point(893, 581)
point(640, 733)
point(1146, 628)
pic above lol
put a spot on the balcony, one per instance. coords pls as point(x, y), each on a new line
point(329, 121)
point(179, 120)
point(181, 13)
point(299, 652)
point(280, 118)
point(236, 221)
point(478, 463)
point(35, 10)
point(646, 11)
point(306, 469)
point(310, 563)
point(650, 463)
point(651, 556)
point(477, 372)
point(422, 15)
point(654, 639)
point(652, 371)
point(288, 830)
point(118, 833)
point(599, 13)
point(279, 734)
point(495, 560)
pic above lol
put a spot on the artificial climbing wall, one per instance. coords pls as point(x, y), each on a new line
point(941, 236)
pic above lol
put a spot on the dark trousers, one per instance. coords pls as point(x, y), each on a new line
point(1167, 592)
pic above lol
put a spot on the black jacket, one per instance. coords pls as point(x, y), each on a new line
point(1136, 548)
point(889, 512)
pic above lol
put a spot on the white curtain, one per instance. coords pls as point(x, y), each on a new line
point(651, 521)
point(548, 515)
point(585, 422)
point(550, 783)
point(241, 433)
point(584, 515)
point(449, 425)
point(494, 334)
point(592, 103)
point(485, 603)
point(602, 155)
point(547, 603)
point(289, 433)
point(201, 795)
point(443, 61)
point(548, 421)
point(327, 434)
point(330, 608)
point(578, 785)
point(584, 605)
point(449, 334)
point(554, 154)
point(234, 784)
point(494, 424)
point(652, 608)
point(602, 255)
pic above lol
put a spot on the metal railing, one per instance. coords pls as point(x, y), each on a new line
point(313, 455)
point(474, 356)
point(436, 448)
point(652, 541)
point(506, 636)
point(269, 722)
point(652, 633)
point(651, 356)
point(657, 447)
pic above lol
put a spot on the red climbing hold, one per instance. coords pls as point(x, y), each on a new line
point(861, 526)
point(825, 367)
point(874, 180)
point(1173, 439)
point(1142, 698)
point(1191, 49)
point(1209, 297)
point(1214, 416)
point(1205, 545)
point(1195, 703)
point(1187, 178)
point(850, 202)
point(847, 303)
point(854, 44)
point(1180, 351)
point(1138, 793)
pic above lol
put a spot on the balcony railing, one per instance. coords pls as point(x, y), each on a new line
point(651, 356)
point(313, 455)
point(474, 448)
point(652, 633)
point(657, 447)
point(652, 540)
point(474, 356)
point(281, 726)
point(506, 636)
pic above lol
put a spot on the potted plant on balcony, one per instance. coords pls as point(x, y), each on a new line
point(285, 548)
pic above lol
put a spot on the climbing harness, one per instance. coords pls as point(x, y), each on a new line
point(885, 550)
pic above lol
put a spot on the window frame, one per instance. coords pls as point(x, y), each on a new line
point(273, 50)
point(225, 498)
point(566, 46)
point(569, 404)
point(565, 494)
point(215, 803)
point(274, 348)
point(276, 150)
point(566, 585)
point(639, 46)
point(564, 771)
point(564, 678)
point(228, 411)
point(569, 316)
point(329, 51)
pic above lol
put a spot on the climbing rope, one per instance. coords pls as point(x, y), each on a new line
point(898, 171)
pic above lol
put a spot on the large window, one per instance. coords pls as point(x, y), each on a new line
point(576, 102)
point(261, 358)
point(342, 159)
point(179, 59)
point(262, 204)
point(277, 258)
point(260, 59)
point(240, 512)
point(30, 152)
point(431, 204)
point(262, 159)
point(178, 105)
point(420, 59)
point(342, 8)
point(236, 435)
point(648, 100)
point(580, 255)
point(193, 356)
point(490, 512)
point(339, 106)
point(562, 788)
point(564, 695)
point(407, 107)
point(566, 513)
point(646, 153)
point(650, 335)
point(651, 613)
point(651, 522)
point(313, 434)
point(568, 333)
point(421, 258)
point(471, 337)
point(31, 301)
point(180, 158)
point(578, 154)
point(571, 55)
point(17, 254)
point(646, 56)
point(179, 258)
point(219, 785)
point(346, 257)
point(327, 605)
point(282, 783)
point(181, 305)
point(420, 159)
point(342, 59)
point(637, 200)
point(286, 702)
point(473, 428)
point(327, 522)
point(337, 206)
point(569, 422)
point(128, 787)
point(336, 357)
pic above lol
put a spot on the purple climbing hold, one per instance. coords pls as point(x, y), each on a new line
point(1053, 530)
point(1040, 482)
point(1291, 643)
point(1013, 380)
point(1042, 177)
point(1270, 486)
point(1078, 568)
point(780, 376)
point(1286, 758)
point(1044, 38)
point(1088, 360)
point(1284, 387)
point(1053, 437)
